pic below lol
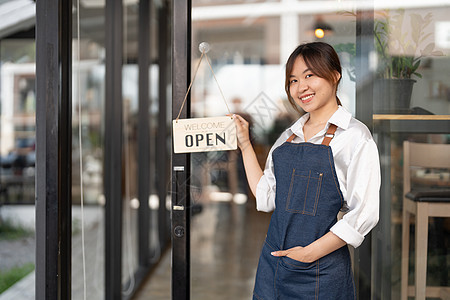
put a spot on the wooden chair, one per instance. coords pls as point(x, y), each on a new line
point(422, 204)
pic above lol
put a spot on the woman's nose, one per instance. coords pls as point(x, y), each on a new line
point(301, 87)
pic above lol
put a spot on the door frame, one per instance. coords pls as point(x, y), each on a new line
point(180, 206)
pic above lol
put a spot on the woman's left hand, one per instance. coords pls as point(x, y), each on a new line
point(317, 249)
point(298, 253)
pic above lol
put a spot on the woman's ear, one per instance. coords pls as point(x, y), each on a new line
point(337, 77)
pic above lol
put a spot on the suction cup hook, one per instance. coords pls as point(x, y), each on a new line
point(204, 47)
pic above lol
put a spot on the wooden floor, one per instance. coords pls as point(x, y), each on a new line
point(226, 240)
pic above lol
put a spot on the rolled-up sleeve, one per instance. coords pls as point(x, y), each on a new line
point(265, 195)
point(266, 187)
point(363, 195)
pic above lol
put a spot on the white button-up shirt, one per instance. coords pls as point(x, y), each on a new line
point(357, 168)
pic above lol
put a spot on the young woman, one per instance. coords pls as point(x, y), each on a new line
point(326, 162)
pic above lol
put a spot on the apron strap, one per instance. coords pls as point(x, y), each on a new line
point(326, 140)
point(329, 135)
point(291, 138)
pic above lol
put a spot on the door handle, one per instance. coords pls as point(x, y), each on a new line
point(177, 205)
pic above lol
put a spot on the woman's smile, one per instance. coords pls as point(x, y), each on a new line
point(307, 98)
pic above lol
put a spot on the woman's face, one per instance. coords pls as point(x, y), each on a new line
point(309, 91)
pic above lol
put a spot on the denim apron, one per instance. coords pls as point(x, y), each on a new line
point(308, 199)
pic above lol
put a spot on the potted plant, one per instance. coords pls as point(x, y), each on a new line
point(399, 56)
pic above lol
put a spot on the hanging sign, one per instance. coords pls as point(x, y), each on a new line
point(204, 134)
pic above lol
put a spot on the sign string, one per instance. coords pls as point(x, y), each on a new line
point(203, 50)
point(214, 75)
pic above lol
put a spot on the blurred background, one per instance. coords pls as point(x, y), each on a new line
point(396, 79)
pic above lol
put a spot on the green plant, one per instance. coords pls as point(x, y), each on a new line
point(11, 276)
point(9, 231)
point(400, 52)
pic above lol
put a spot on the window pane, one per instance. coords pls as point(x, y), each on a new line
point(248, 55)
point(88, 98)
point(411, 104)
point(130, 149)
point(17, 163)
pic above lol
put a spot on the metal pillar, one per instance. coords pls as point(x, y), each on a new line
point(162, 155)
point(53, 149)
point(364, 112)
point(181, 62)
point(144, 133)
point(113, 149)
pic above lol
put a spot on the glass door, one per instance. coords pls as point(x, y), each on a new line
point(250, 43)
point(217, 233)
point(411, 106)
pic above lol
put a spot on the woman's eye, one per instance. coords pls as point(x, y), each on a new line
point(293, 81)
point(308, 75)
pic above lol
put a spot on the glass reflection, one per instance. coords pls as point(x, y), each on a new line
point(409, 60)
point(410, 104)
point(248, 50)
point(17, 166)
point(88, 85)
point(130, 149)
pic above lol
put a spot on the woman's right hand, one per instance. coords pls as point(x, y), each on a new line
point(242, 132)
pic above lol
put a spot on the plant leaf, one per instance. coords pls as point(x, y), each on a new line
point(416, 27)
point(437, 53)
point(428, 50)
point(428, 18)
point(423, 38)
point(415, 67)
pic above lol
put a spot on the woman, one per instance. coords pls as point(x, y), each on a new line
point(325, 162)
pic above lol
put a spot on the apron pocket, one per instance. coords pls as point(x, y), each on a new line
point(297, 280)
point(304, 192)
point(294, 265)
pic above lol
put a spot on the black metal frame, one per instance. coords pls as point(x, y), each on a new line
point(162, 157)
point(53, 149)
point(1, 109)
point(144, 133)
point(364, 112)
point(181, 70)
point(113, 149)
point(364, 85)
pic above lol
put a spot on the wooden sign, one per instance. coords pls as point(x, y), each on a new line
point(204, 134)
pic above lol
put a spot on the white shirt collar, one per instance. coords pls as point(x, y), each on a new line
point(341, 118)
